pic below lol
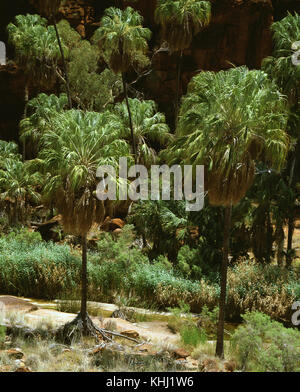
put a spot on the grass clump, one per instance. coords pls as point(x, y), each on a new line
point(183, 322)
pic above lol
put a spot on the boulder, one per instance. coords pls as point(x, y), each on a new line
point(131, 333)
point(15, 353)
point(180, 353)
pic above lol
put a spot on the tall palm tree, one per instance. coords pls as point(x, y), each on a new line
point(73, 148)
point(229, 121)
point(51, 9)
point(123, 41)
point(36, 51)
point(150, 128)
point(180, 21)
point(282, 69)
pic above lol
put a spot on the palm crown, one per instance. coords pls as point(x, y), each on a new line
point(123, 39)
point(229, 120)
point(149, 125)
point(74, 147)
point(35, 45)
point(18, 185)
point(42, 109)
point(286, 33)
point(181, 20)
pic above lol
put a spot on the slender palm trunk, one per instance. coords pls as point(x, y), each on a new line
point(178, 85)
point(269, 237)
point(279, 238)
point(83, 310)
point(130, 118)
point(291, 225)
point(223, 284)
point(26, 99)
point(63, 64)
point(291, 228)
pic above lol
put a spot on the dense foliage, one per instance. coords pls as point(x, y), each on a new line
point(241, 124)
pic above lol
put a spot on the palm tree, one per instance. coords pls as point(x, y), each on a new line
point(123, 41)
point(8, 150)
point(281, 68)
point(149, 125)
point(229, 121)
point(180, 21)
point(36, 51)
point(51, 8)
point(18, 188)
point(42, 109)
point(73, 148)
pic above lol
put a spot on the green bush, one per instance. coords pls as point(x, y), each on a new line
point(187, 262)
point(33, 268)
point(261, 344)
point(2, 334)
point(192, 336)
point(182, 321)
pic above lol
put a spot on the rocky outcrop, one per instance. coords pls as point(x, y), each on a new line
point(239, 33)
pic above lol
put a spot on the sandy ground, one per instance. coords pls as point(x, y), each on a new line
point(153, 331)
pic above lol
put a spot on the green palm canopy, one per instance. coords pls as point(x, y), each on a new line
point(150, 128)
point(36, 48)
point(286, 33)
point(41, 109)
point(228, 121)
point(73, 148)
point(123, 43)
point(123, 39)
point(19, 187)
point(181, 20)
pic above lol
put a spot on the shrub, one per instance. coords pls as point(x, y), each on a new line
point(265, 345)
point(34, 268)
point(192, 336)
point(182, 321)
point(2, 334)
point(187, 262)
point(266, 288)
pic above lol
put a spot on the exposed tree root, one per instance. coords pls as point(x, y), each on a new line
point(80, 327)
point(72, 331)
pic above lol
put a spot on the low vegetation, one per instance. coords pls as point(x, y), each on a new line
point(35, 268)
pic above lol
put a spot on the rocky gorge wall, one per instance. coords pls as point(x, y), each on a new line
point(239, 34)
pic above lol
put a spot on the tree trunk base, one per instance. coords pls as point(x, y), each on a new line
point(80, 327)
